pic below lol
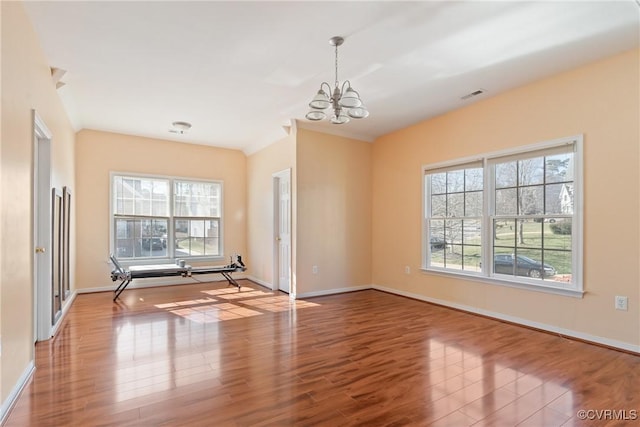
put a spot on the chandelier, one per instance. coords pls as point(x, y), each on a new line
point(344, 100)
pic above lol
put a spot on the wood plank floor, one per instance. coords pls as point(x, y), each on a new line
point(209, 355)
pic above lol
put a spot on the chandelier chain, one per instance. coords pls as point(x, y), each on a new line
point(336, 65)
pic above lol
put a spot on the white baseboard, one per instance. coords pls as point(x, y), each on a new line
point(15, 392)
point(537, 325)
point(162, 281)
point(260, 282)
point(333, 291)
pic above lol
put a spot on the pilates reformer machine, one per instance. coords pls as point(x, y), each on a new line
point(164, 270)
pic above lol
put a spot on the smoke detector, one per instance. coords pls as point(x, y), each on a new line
point(180, 127)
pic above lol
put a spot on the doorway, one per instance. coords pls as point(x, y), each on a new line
point(43, 295)
point(282, 231)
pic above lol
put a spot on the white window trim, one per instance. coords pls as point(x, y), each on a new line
point(487, 251)
point(168, 259)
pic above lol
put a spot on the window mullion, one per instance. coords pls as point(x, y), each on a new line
point(488, 210)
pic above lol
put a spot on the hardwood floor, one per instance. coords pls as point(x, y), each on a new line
point(209, 355)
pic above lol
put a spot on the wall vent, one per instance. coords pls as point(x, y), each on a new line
point(472, 94)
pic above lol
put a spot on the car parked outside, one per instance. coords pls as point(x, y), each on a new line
point(155, 243)
point(525, 266)
point(437, 243)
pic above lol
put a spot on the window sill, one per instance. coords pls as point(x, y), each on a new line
point(518, 284)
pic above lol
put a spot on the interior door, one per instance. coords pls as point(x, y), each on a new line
point(282, 183)
point(42, 224)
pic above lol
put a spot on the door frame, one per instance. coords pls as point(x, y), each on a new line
point(286, 173)
point(41, 309)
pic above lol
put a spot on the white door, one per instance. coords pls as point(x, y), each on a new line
point(42, 203)
point(282, 187)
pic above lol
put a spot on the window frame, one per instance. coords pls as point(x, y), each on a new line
point(171, 219)
point(488, 160)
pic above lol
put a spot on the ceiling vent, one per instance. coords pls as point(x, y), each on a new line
point(472, 94)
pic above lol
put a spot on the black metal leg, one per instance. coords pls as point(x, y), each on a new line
point(230, 279)
point(121, 288)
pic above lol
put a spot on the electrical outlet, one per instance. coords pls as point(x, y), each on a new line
point(314, 269)
point(407, 269)
point(621, 303)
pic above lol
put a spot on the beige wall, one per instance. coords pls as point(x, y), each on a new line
point(334, 212)
point(260, 240)
point(26, 85)
point(601, 101)
point(99, 153)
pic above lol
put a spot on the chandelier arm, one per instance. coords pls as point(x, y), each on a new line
point(330, 91)
point(346, 84)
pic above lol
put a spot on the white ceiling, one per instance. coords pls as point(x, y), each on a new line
point(239, 71)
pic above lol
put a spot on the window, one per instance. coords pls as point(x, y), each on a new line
point(455, 223)
point(510, 218)
point(158, 218)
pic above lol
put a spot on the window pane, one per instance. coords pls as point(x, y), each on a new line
point(453, 231)
point(473, 204)
point(211, 246)
point(438, 183)
point(437, 258)
point(196, 199)
point(455, 205)
point(529, 234)
point(160, 198)
point(211, 241)
point(504, 232)
point(506, 174)
point(531, 171)
point(472, 238)
point(559, 168)
point(529, 263)
point(506, 201)
point(552, 200)
point(439, 205)
point(436, 235)
point(197, 237)
point(455, 181)
point(557, 233)
point(473, 179)
point(503, 261)
point(561, 262)
point(125, 238)
point(453, 257)
point(472, 234)
point(566, 199)
point(530, 200)
point(472, 259)
point(437, 243)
